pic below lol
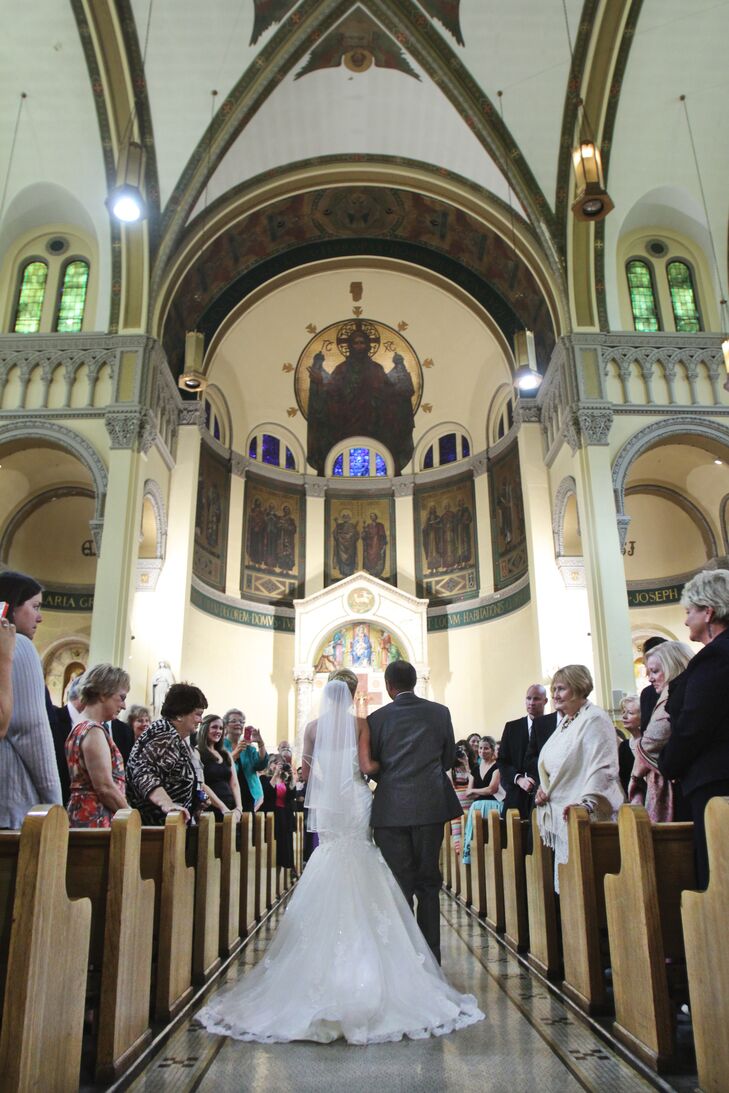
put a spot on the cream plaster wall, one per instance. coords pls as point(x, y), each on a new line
point(667, 540)
point(62, 524)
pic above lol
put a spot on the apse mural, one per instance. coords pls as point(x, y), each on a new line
point(211, 519)
point(446, 557)
point(358, 378)
point(361, 646)
point(508, 527)
point(360, 534)
point(274, 524)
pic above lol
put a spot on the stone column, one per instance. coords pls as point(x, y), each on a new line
point(303, 682)
point(404, 534)
point(235, 531)
point(131, 434)
point(315, 535)
point(604, 571)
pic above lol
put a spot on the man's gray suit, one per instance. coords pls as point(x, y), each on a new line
point(412, 740)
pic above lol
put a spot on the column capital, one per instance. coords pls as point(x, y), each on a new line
point(133, 428)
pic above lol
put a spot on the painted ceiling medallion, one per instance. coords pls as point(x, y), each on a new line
point(446, 12)
point(357, 41)
point(268, 12)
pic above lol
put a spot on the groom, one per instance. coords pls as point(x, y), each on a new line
point(413, 742)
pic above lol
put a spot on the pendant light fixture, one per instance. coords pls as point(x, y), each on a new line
point(126, 201)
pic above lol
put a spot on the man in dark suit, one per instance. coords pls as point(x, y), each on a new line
point(516, 779)
point(64, 718)
point(542, 729)
point(412, 740)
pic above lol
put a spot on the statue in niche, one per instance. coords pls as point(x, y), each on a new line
point(374, 545)
point(162, 680)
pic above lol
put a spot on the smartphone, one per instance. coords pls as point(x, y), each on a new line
point(3, 608)
point(248, 733)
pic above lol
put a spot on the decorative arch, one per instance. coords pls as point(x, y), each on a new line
point(723, 517)
point(153, 494)
point(566, 489)
point(22, 513)
point(274, 428)
point(687, 506)
point(433, 435)
point(375, 446)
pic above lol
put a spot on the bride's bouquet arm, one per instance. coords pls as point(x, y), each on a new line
point(366, 763)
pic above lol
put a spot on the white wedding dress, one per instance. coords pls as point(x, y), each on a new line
point(348, 959)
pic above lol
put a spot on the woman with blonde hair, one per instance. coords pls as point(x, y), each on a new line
point(648, 786)
point(578, 765)
point(95, 764)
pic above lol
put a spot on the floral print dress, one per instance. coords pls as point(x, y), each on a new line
point(84, 807)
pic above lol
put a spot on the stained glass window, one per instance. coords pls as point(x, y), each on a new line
point(380, 466)
point(30, 298)
point(683, 298)
point(271, 449)
point(290, 461)
point(208, 411)
point(216, 428)
point(465, 447)
point(428, 460)
point(338, 468)
point(359, 462)
point(73, 297)
point(642, 296)
point(447, 448)
point(253, 448)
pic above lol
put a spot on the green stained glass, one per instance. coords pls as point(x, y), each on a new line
point(642, 296)
point(30, 298)
point(683, 298)
point(73, 298)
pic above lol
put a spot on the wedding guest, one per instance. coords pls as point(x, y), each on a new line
point(95, 764)
point(663, 800)
point(138, 719)
point(220, 780)
point(7, 649)
point(66, 717)
point(697, 751)
point(485, 780)
point(630, 716)
point(28, 770)
point(460, 776)
point(249, 758)
point(472, 743)
point(578, 765)
point(160, 774)
point(284, 818)
point(648, 696)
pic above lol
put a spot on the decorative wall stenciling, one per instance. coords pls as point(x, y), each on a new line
point(446, 12)
point(268, 12)
point(211, 518)
point(446, 557)
point(274, 525)
point(508, 527)
point(358, 378)
point(360, 535)
point(362, 646)
point(358, 42)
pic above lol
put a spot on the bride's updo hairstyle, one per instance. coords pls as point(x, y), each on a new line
point(346, 675)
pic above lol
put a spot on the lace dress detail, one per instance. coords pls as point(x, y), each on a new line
point(347, 961)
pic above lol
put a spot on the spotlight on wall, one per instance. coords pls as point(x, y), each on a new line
point(592, 202)
point(527, 376)
point(193, 378)
point(125, 201)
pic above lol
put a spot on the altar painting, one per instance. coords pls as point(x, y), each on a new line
point(446, 556)
point(360, 535)
point(508, 525)
point(272, 558)
point(366, 649)
point(211, 518)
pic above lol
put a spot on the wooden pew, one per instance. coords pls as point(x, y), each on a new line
point(246, 888)
point(164, 861)
point(544, 936)
point(230, 880)
point(594, 851)
point(9, 845)
point(644, 928)
point(707, 954)
point(206, 932)
point(448, 857)
point(516, 913)
point(258, 859)
point(270, 859)
point(478, 859)
point(127, 952)
point(494, 871)
point(45, 986)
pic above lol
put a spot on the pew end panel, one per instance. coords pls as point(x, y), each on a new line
point(704, 917)
point(177, 906)
point(43, 1014)
point(230, 881)
point(495, 829)
point(206, 931)
point(544, 936)
point(478, 855)
point(246, 886)
point(516, 914)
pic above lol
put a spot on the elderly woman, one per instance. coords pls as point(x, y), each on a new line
point(220, 780)
point(249, 759)
point(648, 787)
point(160, 773)
point(578, 765)
point(138, 719)
point(94, 761)
point(697, 751)
point(28, 770)
point(630, 716)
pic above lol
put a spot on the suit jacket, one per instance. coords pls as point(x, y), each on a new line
point(61, 727)
point(648, 698)
point(697, 751)
point(542, 729)
point(512, 762)
point(123, 736)
point(412, 740)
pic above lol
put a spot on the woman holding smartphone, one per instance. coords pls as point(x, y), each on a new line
point(249, 756)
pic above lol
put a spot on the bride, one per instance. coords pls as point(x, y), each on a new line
point(348, 959)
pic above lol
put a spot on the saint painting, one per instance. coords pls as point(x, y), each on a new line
point(368, 386)
point(273, 560)
point(508, 522)
point(360, 536)
point(211, 519)
point(446, 561)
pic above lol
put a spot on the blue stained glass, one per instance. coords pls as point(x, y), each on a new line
point(216, 429)
point(380, 466)
point(447, 448)
point(271, 449)
point(253, 448)
point(290, 461)
point(359, 462)
point(207, 415)
point(338, 468)
point(428, 461)
point(465, 447)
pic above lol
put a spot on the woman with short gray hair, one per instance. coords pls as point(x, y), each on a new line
point(95, 764)
point(697, 751)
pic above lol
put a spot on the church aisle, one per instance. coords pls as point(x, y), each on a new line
point(530, 1040)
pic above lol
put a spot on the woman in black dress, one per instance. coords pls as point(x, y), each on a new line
point(483, 785)
point(220, 780)
point(283, 795)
